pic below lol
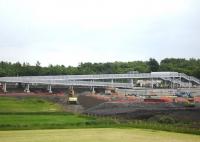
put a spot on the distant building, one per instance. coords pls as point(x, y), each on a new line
point(148, 83)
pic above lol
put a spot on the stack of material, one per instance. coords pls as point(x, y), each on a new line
point(197, 99)
point(181, 100)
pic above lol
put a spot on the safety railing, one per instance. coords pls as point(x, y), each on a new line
point(64, 78)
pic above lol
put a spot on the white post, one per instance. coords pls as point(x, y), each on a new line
point(27, 88)
point(112, 82)
point(93, 91)
point(151, 82)
point(92, 87)
point(4, 88)
point(50, 90)
point(132, 83)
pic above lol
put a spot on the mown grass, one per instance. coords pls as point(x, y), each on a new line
point(27, 104)
point(96, 135)
point(23, 121)
point(30, 119)
point(40, 120)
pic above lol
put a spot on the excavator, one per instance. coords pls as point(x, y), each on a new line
point(71, 97)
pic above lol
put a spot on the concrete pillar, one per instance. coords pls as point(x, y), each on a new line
point(4, 87)
point(165, 83)
point(27, 89)
point(151, 82)
point(92, 87)
point(50, 89)
point(112, 82)
point(171, 83)
point(93, 91)
point(180, 82)
point(132, 84)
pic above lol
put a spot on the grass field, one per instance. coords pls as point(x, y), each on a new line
point(95, 135)
point(40, 121)
point(27, 104)
point(31, 113)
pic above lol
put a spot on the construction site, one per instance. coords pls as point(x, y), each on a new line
point(125, 95)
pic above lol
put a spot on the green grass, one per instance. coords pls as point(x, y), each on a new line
point(52, 120)
point(95, 135)
point(40, 121)
point(27, 104)
point(28, 113)
point(30, 121)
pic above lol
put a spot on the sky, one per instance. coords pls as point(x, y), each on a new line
point(68, 32)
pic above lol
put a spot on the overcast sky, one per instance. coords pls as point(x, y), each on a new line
point(72, 31)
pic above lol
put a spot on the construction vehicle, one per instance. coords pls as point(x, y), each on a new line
point(184, 94)
point(190, 98)
point(71, 97)
point(111, 91)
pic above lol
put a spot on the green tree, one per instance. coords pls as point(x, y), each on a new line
point(153, 65)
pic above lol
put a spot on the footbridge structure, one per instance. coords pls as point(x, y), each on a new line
point(103, 80)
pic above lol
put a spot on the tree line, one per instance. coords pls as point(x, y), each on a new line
point(190, 67)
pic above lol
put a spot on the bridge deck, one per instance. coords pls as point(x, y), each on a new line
point(96, 80)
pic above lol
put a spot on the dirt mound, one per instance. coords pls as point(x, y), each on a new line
point(88, 101)
point(111, 108)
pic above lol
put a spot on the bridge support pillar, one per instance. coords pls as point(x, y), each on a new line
point(4, 87)
point(112, 83)
point(165, 84)
point(132, 84)
point(49, 88)
point(27, 89)
point(151, 82)
point(172, 83)
point(93, 91)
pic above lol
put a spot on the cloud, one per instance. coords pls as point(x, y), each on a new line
point(69, 32)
